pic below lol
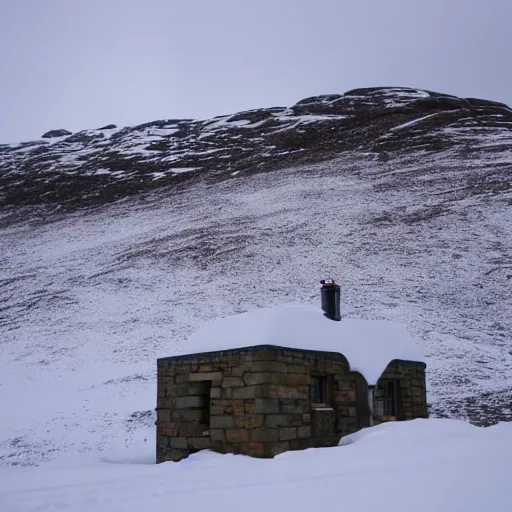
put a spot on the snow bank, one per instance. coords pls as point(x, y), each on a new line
point(369, 345)
point(421, 465)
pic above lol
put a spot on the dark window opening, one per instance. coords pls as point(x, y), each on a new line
point(201, 400)
point(319, 390)
point(385, 399)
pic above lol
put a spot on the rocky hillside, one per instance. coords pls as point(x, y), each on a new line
point(117, 243)
point(70, 170)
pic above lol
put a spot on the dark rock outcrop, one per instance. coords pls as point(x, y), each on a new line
point(52, 134)
point(92, 167)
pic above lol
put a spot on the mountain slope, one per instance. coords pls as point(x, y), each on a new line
point(419, 234)
point(97, 166)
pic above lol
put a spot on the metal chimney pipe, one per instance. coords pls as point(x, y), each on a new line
point(331, 299)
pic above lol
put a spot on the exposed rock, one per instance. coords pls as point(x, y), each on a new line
point(383, 123)
point(85, 136)
point(108, 127)
point(56, 133)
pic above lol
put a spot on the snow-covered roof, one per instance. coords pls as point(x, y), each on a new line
point(369, 345)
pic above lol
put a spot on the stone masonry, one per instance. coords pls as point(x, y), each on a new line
point(256, 401)
point(412, 396)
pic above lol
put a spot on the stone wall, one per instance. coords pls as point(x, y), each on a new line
point(350, 401)
point(412, 390)
point(259, 402)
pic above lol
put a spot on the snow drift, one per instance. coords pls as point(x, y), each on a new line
point(369, 345)
point(422, 465)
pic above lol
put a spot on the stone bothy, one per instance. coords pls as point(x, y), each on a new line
point(287, 378)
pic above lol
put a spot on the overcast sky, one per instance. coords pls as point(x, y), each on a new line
point(79, 64)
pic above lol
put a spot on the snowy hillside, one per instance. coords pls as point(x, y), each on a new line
point(68, 171)
point(423, 465)
point(412, 218)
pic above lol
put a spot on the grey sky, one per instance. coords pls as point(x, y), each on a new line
point(79, 64)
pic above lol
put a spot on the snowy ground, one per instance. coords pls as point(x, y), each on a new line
point(423, 465)
point(88, 303)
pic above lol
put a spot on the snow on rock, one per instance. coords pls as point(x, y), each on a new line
point(53, 169)
point(420, 465)
point(180, 170)
point(369, 345)
point(418, 120)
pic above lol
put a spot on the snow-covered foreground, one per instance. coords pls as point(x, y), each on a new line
point(422, 465)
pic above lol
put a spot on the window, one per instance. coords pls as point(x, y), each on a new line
point(319, 390)
point(385, 399)
point(204, 404)
point(198, 402)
